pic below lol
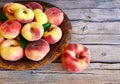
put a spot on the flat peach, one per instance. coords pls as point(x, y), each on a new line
point(55, 15)
point(10, 29)
point(37, 50)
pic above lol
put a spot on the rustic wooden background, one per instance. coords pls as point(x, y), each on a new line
point(96, 24)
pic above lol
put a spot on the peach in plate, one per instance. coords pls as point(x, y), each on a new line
point(11, 50)
point(55, 15)
point(32, 31)
point(37, 50)
point(51, 52)
point(10, 29)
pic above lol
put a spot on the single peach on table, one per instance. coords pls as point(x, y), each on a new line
point(11, 50)
point(10, 29)
point(76, 57)
point(32, 31)
point(37, 50)
point(53, 35)
point(55, 15)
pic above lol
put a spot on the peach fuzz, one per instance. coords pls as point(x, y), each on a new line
point(9, 13)
point(34, 5)
point(53, 35)
point(54, 15)
point(10, 29)
point(37, 50)
point(11, 50)
point(10, 8)
point(40, 16)
point(32, 31)
point(1, 38)
point(24, 15)
point(76, 58)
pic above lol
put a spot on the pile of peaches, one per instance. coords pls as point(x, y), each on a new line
point(29, 29)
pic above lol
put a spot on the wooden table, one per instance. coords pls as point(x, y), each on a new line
point(96, 24)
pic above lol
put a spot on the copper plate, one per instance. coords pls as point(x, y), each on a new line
point(55, 49)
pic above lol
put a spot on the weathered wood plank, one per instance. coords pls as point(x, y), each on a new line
point(80, 3)
point(105, 53)
point(86, 3)
point(102, 53)
point(94, 15)
point(53, 74)
point(95, 23)
point(87, 28)
point(57, 68)
point(95, 33)
point(95, 39)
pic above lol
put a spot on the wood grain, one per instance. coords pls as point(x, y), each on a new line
point(95, 23)
point(53, 73)
point(94, 15)
point(89, 4)
point(95, 39)
point(102, 54)
point(95, 28)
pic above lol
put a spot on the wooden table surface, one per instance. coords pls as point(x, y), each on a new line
point(96, 24)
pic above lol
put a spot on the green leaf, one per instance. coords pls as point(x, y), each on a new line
point(46, 26)
point(3, 17)
point(23, 41)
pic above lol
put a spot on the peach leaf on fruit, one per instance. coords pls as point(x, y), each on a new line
point(3, 17)
point(46, 26)
point(23, 41)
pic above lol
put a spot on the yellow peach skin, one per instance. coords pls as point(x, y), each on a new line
point(1, 38)
point(11, 50)
point(53, 35)
point(40, 16)
point(24, 15)
point(10, 29)
point(10, 8)
point(32, 31)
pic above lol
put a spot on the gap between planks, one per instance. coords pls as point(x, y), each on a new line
point(54, 73)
